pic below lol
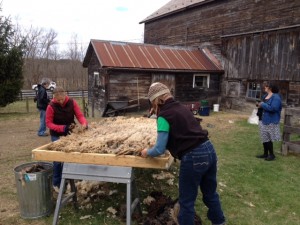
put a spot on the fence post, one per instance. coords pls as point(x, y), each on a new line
point(27, 105)
point(93, 106)
point(83, 104)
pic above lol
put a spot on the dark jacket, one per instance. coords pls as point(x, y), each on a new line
point(185, 131)
point(62, 115)
point(42, 98)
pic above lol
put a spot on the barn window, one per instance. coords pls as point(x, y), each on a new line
point(96, 79)
point(254, 90)
point(201, 81)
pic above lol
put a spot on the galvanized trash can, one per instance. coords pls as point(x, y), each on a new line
point(34, 190)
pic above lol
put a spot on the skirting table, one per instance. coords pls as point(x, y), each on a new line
point(115, 174)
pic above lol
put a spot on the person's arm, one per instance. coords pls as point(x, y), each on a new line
point(274, 106)
point(44, 96)
point(79, 115)
point(160, 146)
point(49, 121)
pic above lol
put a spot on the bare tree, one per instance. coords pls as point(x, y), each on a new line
point(76, 73)
point(41, 43)
point(75, 50)
point(41, 49)
point(43, 58)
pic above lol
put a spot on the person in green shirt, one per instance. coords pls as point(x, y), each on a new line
point(180, 133)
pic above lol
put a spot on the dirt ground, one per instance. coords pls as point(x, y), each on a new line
point(18, 137)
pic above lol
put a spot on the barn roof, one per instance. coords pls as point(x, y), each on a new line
point(174, 6)
point(125, 55)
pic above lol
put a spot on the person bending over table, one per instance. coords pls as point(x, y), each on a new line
point(180, 133)
point(60, 119)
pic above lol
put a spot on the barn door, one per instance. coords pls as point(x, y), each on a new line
point(167, 79)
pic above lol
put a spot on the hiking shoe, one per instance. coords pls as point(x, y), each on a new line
point(262, 156)
point(43, 135)
point(270, 158)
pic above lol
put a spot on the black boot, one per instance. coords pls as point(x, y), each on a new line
point(271, 155)
point(265, 155)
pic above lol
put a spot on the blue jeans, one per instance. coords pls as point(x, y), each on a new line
point(42, 128)
point(198, 168)
point(57, 168)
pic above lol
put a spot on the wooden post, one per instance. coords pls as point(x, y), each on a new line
point(27, 105)
point(288, 129)
point(93, 106)
point(83, 103)
point(138, 93)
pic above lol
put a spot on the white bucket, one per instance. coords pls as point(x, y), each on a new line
point(216, 107)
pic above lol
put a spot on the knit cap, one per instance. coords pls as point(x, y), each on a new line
point(157, 89)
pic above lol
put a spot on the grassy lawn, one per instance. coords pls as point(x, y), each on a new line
point(255, 191)
point(252, 190)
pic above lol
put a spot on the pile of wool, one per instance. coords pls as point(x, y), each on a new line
point(115, 135)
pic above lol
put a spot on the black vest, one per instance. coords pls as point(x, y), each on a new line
point(62, 115)
point(185, 131)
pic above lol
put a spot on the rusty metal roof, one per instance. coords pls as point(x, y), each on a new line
point(112, 54)
point(174, 6)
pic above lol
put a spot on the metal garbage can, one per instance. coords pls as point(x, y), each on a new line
point(34, 190)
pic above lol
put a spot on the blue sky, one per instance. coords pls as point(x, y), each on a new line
point(116, 20)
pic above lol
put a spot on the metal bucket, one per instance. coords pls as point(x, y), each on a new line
point(34, 190)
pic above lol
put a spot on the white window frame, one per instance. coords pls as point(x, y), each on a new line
point(253, 93)
point(201, 75)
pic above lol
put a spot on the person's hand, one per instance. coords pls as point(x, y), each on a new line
point(144, 153)
point(68, 129)
point(71, 126)
point(258, 104)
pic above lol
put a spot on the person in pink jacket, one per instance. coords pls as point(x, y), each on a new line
point(60, 119)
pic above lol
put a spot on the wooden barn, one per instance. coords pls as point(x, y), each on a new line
point(255, 41)
point(119, 74)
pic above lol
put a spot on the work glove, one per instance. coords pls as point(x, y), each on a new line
point(68, 129)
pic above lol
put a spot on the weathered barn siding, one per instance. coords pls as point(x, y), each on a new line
point(255, 40)
point(272, 55)
point(96, 97)
point(128, 85)
point(118, 86)
point(263, 56)
point(165, 78)
point(207, 22)
point(294, 93)
point(186, 93)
